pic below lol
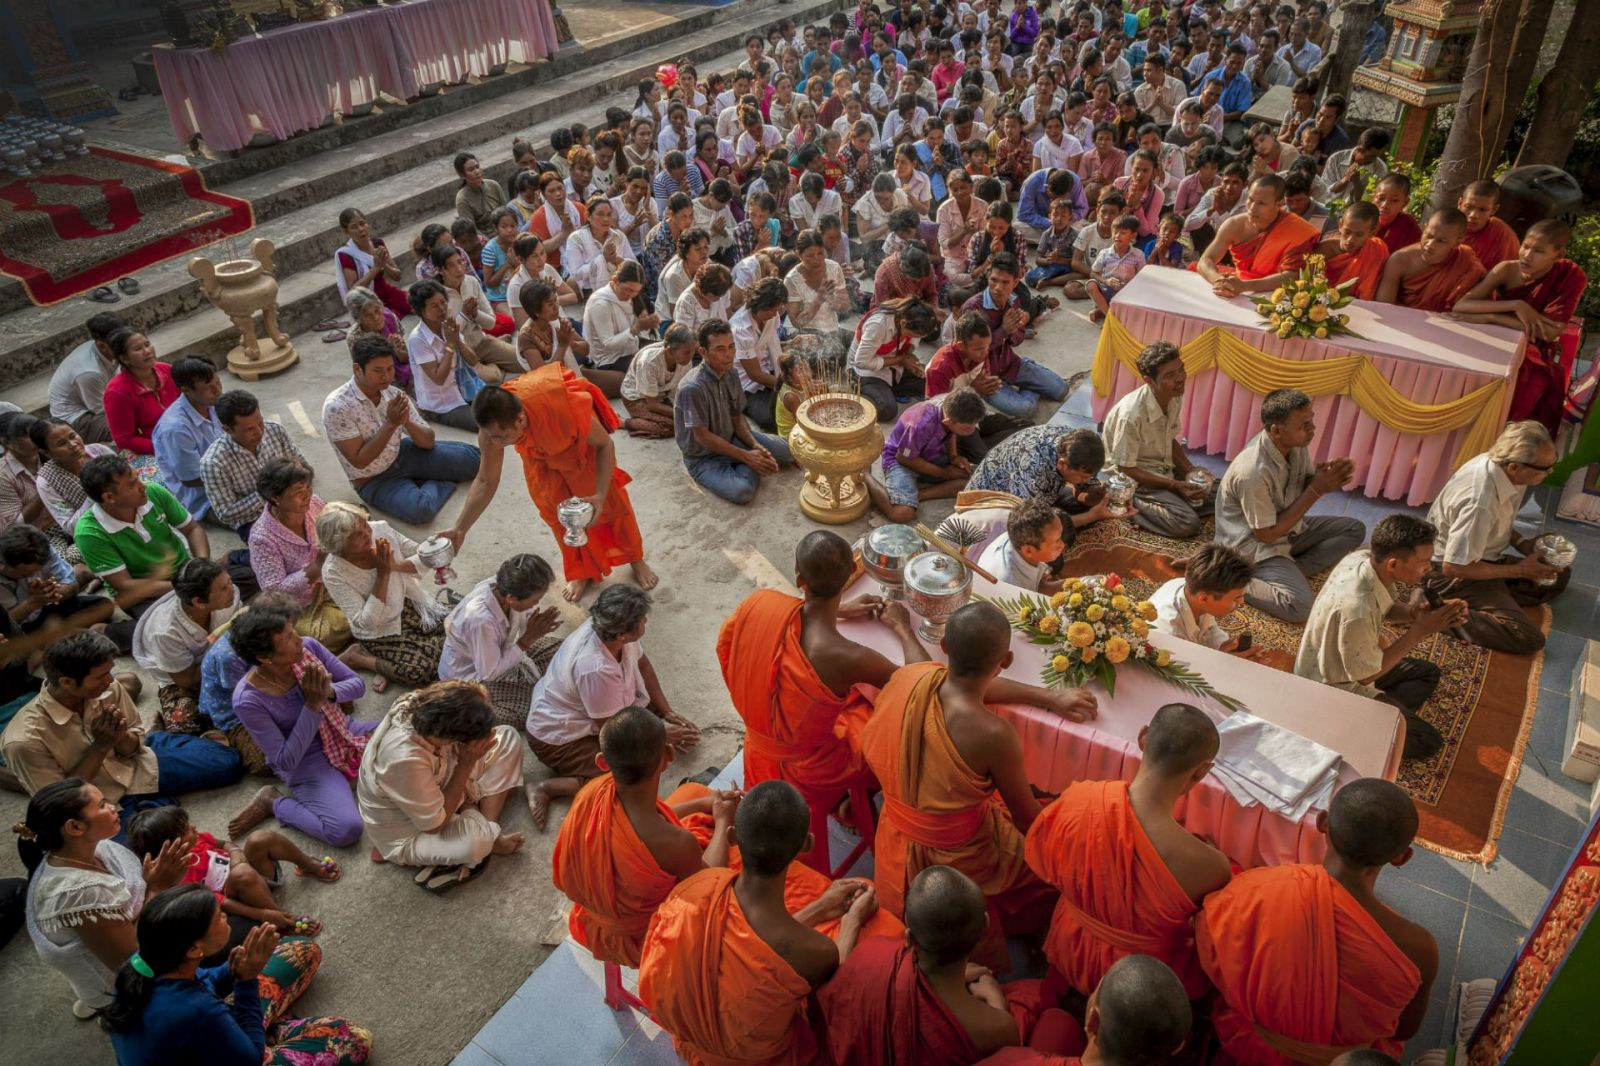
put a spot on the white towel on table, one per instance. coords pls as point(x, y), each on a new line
point(1262, 763)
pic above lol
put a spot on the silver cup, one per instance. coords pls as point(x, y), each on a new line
point(575, 515)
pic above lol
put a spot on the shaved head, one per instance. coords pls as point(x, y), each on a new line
point(1362, 211)
point(1483, 188)
point(1371, 822)
point(1181, 737)
point(823, 563)
point(945, 916)
point(1449, 216)
point(976, 639)
point(633, 741)
point(1364, 1057)
point(1271, 183)
point(771, 827)
point(1144, 1012)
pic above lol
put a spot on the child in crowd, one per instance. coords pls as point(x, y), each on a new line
point(1212, 587)
point(1166, 246)
point(1115, 266)
point(1054, 263)
point(920, 456)
point(1030, 546)
point(794, 379)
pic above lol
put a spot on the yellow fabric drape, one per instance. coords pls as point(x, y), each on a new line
point(1350, 375)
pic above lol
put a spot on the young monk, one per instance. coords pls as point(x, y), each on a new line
point(1437, 271)
point(792, 675)
point(1538, 292)
point(731, 960)
point(1265, 244)
point(1396, 226)
point(1306, 959)
point(1130, 876)
point(622, 849)
point(1138, 1016)
point(921, 1001)
point(1490, 238)
point(1356, 252)
point(941, 756)
point(561, 425)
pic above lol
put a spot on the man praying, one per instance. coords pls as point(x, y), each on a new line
point(1143, 434)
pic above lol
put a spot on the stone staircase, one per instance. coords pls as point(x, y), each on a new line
point(395, 165)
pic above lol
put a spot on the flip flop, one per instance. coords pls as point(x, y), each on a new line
point(334, 337)
point(104, 295)
point(327, 867)
point(330, 323)
point(306, 926)
point(128, 285)
point(447, 877)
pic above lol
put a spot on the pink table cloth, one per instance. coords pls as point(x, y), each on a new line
point(290, 80)
point(1368, 735)
point(1428, 358)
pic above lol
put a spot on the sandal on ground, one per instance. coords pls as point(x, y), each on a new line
point(333, 337)
point(306, 926)
point(444, 878)
point(330, 323)
point(128, 285)
point(103, 295)
point(327, 870)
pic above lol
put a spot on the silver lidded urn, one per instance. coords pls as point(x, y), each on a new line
point(1119, 491)
point(937, 586)
point(436, 553)
point(885, 552)
point(575, 515)
point(1557, 551)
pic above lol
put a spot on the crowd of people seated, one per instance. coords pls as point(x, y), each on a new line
point(900, 177)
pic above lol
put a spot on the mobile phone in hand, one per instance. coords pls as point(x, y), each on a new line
point(1246, 639)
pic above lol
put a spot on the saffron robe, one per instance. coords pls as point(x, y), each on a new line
point(1437, 288)
point(1494, 243)
point(937, 811)
point(1541, 388)
point(722, 992)
point(558, 463)
point(1282, 246)
point(1303, 971)
point(1401, 231)
point(1365, 264)
point(791, 716)
point(1117, 895)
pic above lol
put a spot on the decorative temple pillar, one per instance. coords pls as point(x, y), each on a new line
point(1423, 65)
point(40, 65)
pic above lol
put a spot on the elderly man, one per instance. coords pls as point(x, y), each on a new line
point(1475, 514)
point(722, 453)
point(1265, 245)
point(230, 465)
point(494, 636)
point(1345, 646)
point(1043, 462)
point(1143, 438)
point(1262, 503)
point(600, 669)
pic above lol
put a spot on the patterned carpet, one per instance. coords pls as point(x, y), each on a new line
point(1483, 707)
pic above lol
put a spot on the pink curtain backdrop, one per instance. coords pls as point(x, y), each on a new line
point(1428, 358)
point(1368, 735)
point(290, 80)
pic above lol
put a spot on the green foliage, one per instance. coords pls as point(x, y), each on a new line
point(1421, 185)
point(1584, 249)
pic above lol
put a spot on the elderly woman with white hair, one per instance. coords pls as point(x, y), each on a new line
point(434, 780)
point(371, 316)
point(1480, 557)
point(373, 575)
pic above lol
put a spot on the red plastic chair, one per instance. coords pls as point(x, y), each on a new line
point(861, 810)
point(618, 997)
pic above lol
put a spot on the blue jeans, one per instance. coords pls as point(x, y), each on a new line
point(1020, 397)
point(732, 480)
point(901, 482)
point(421, 480)
point(1040, 274)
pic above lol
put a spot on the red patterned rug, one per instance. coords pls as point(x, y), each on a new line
point(1483, 707)
point(77, 225)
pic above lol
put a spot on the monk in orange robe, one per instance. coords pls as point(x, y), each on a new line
point(731, 959)
point(941, 758)
point(1356, 252)
point(1490, 239)
point(1538, 292)
point(1307, 961)
point(1137, 1016)
point(792, 677)
point(1266, 244)
point(923, 1002)
point(1131, 878)
point(1433, 274)
point(621, 849)
point(561, 425)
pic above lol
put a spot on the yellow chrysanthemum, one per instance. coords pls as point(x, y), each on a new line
point(1283, 330)
point(1319, 313)
point(1049, 623)
point(1120, 603)
point(1301, 299)
point(1139, 627)
point(1163, 657)
point(1058, 599)
point(1322, 333)
point(1075, 600)
point(1080, 634)
point(1146, 609)
point(1278, 294)
point(1117, 649)
point(1060, 664)
point(1094, 612)
point(1090, 655)
point(1024, 613)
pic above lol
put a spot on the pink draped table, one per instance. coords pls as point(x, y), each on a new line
point(289, 80)
point(1367, 734)
point(1428, 358)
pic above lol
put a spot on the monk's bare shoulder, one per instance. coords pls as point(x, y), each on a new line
point(1412, 939)
point(1200, 868)
point(983, 738)
point(675, 849)
point(841, 662)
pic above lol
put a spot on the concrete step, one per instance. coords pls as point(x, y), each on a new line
point(295, 212)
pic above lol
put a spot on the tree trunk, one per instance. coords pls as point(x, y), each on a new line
point(1344, 51)
point(1477, 136)
point(1565, 90)
point(1531, 29)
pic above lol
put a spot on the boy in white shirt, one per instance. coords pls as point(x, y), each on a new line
point(1025, 552)
point(1211, 587)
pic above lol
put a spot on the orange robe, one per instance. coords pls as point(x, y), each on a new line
point(1117, 895)
point(1438, 288)
point(789, 712)
point(1365, 264)
point(558, 463)
point(1494, 243)
point(614, 882)
point(722, 992)
point(937, 811)
point(1304, 972)
point(1283, 246)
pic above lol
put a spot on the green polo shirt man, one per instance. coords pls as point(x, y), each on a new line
point(134, 535)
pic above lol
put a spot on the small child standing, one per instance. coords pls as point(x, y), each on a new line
point(1115, 266)
point(1212, 586)
point(1165, 247)
point(920, 459)
point(1030, 546)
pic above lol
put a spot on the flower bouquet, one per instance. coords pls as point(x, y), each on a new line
point(1307, 305)
point(1093, 628)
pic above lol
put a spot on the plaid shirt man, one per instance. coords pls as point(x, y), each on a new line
point(229, 473)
